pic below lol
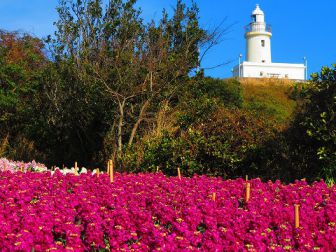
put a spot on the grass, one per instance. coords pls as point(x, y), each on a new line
point(270, 97)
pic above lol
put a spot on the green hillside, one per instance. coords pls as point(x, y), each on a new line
point(217, 127)
point(272, 97)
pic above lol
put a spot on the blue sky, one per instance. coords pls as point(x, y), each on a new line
point(300, 27)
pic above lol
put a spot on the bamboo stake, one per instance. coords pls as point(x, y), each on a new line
point(297, 215)
point(214, 196)
point(98, 172)
point(111, 171)
point(179, 173)
point(248, 192)
point(108, 167)
point(76, 167)
point(246, 178)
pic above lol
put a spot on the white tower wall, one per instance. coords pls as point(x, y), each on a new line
point(258, 47)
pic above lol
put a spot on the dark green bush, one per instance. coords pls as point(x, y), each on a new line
point(216, 146)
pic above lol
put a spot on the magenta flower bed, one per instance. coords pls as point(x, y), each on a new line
point(147, 212)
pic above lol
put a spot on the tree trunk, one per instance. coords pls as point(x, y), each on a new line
point(120, 125)
point(136, 125)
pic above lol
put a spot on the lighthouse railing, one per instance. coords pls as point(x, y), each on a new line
point(258, 27)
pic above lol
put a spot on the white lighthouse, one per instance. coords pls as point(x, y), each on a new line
point(258, 38)
point(258, 62)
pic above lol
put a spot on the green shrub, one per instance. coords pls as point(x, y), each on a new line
point(318, 121)
point(216, 146)
point(203, 96)
point(228, 91)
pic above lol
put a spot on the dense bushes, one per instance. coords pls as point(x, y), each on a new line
point(202, 96)
point(306, 148)
point(216, 146)
point(319, 119)
point(212, 134)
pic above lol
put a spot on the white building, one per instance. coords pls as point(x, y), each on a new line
point(258, 62)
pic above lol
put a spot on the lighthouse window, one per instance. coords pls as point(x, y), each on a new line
point(263, 43)
point(254, 18)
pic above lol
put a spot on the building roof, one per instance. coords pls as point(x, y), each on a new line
point(257, 11)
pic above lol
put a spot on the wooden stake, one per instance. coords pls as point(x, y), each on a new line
point(98, 172)
point(214, 196)
point(248, 192)
point(111, 171)
point(297, 215)
point(179, 173)
point(76, 169)
point(108, 167)
point(246, 178)
point(157, 168)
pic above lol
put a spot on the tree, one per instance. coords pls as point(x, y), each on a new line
point(22, 60)
point(133, 66)
point(319, 120)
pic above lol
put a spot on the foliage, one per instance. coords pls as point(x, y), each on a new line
point(306, 148)
point(216, 145)
point(67, 116)
point(201, 96)
point(319, 119)
point(132, 66)
point(227, 91)
point(21, 63)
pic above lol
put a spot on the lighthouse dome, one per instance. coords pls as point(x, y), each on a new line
point(257, 11)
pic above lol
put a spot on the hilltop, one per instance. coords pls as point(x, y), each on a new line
point(273, 97)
